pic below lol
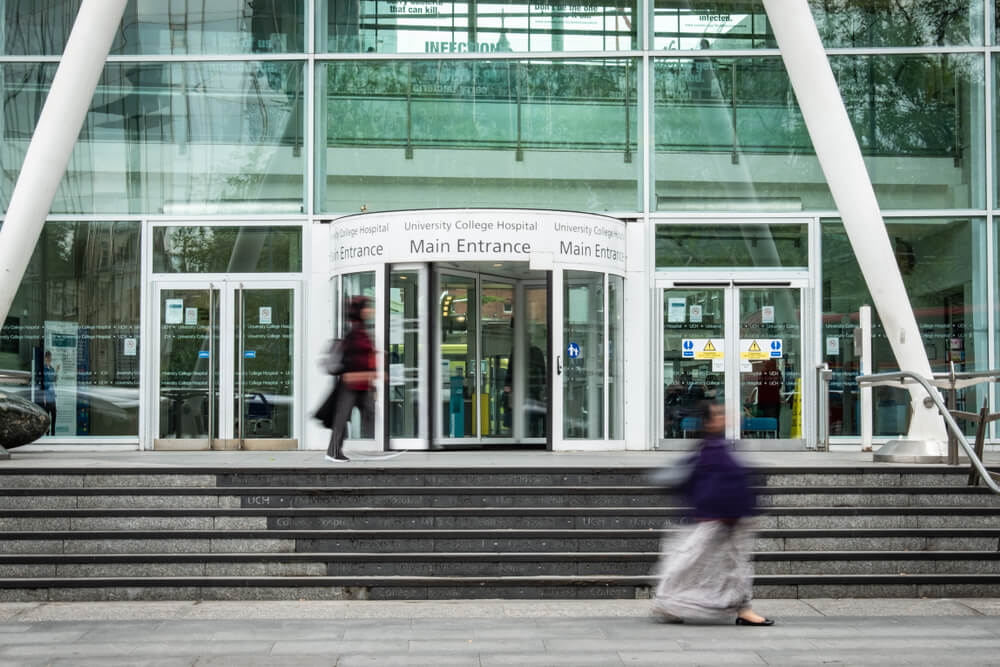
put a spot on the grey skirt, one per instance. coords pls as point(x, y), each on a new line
point(705, 573)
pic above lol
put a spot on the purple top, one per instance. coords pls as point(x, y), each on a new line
point(719, 487)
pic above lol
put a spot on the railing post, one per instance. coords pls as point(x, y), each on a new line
point(824, 374)
point(952, 406)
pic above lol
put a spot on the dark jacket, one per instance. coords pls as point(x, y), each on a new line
point(719, 487)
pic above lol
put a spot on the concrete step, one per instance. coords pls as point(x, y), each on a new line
point(879, 475)
point(429, 588)
point(468, 497)
point(537, 540)
point(479, 518)
point(475, 564)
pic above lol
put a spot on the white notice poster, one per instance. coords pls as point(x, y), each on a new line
point(395, 328)
point(173, 311)
point(60, 371)
point(832, 346)
point(694, 314)
point(131, 347)
point(767, 315)
point(265, 314)
point(675, 309)
point(191, 316)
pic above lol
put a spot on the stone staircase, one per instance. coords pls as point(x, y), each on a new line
point(446, 533)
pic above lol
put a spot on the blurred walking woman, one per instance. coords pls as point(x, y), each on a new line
point(355, 381)
point(707, 576)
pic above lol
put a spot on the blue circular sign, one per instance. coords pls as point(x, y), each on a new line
point(573, 351)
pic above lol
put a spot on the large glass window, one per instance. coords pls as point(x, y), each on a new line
point(681, 24)
point(762, 245)
point(216, 249)
point(729, 134)
point(71, 340)
point(154, 27)
point(174, 138)
point(425, 134)
point(943, 264)
point(428, 26)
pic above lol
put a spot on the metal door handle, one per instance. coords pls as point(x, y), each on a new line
point(558, 364)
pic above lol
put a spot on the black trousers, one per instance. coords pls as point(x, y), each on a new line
point(50, 407)
point(344, 401)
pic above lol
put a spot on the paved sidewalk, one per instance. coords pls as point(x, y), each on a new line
point(488, 633)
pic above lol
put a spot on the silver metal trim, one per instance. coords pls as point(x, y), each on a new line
point(211, 364)
point(241, 303)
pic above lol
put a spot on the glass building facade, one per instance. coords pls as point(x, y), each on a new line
point(226, 127)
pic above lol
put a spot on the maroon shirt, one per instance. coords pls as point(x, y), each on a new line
point(359, 355)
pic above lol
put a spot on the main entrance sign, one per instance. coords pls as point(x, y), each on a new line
point(469, 235)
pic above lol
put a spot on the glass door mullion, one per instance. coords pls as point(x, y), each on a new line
point(225, 356)
point(478, 402)
point(734, 412)
point(607, 356)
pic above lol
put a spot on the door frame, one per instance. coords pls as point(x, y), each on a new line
point(425, 375)
point(227, 286)
point(558, 362)
point(731, 281)
point(434, 393)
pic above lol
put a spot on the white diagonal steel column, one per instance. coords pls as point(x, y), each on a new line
point(840, 157)
point(54, 138)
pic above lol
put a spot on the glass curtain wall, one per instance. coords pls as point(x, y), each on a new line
point(729, 134)
point(71, 340)
point(201, 110)
point(381, 26)
point(436, 133)
point(943, 263)
point(170, 136)
point(685, 25)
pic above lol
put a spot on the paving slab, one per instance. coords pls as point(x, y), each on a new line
point(807, 632)
point(985, 606)
point(406, 660)
point(266, 661)
point(691, 658)
point(891, 607)
point(9, 610)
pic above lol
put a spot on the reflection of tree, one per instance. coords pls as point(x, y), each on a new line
point(371, 102)
point(846, 23)
point(212, 249)
point(898, 105)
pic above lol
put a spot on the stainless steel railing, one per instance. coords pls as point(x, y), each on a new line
point(904, 377)
point(823, 377)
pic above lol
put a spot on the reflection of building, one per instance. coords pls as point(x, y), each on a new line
point(195, 170)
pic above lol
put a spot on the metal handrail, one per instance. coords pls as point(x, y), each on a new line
point(903, 376)
point(823, 377)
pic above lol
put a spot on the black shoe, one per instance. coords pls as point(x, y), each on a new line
point(743, 621)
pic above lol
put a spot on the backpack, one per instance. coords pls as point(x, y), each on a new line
point(333, 362)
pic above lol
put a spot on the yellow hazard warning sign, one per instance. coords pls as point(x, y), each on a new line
point(703, 348)
point(752, 350)
point(710, 351)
